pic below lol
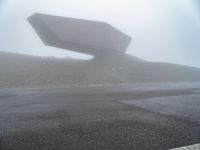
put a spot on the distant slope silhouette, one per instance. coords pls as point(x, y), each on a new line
point(23, 70)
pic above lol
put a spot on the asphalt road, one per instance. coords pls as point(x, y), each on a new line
point(140, 117)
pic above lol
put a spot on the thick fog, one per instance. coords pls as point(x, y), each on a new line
point(161, 30)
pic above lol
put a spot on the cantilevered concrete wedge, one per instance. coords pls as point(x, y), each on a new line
point(84, 36)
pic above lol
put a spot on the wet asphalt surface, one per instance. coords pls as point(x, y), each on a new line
point(140, 117)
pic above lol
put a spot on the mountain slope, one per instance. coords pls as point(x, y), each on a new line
point(23, 70)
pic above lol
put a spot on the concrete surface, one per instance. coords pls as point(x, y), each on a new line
point(191, 147)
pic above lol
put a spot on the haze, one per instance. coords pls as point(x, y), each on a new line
point(161, 30)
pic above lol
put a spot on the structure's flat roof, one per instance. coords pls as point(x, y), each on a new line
point(84, 36)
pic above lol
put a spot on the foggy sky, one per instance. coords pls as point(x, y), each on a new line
point(161, 30)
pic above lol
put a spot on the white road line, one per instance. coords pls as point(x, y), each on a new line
point(191, 147)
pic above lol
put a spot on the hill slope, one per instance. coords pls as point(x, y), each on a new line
point(23, 70)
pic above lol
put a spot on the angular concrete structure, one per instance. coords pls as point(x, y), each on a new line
point(84, 36)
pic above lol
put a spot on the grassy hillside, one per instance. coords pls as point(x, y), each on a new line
point(22, 70)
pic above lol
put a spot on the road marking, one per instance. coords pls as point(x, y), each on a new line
point(191, 147)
